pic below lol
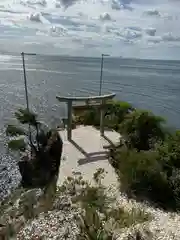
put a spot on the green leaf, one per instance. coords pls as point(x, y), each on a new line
point(12, 130)
point(17, 144)
point(26, 117)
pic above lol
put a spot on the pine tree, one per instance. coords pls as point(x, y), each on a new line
point(22, 138)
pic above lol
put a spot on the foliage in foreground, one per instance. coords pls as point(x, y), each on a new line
point(22, 206)
point(100, 216)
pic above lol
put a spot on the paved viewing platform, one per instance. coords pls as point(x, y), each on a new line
point(86, 152)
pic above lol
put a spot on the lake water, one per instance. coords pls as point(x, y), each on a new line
point(147, 84)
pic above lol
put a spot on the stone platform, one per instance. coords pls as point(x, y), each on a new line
point(87, 152)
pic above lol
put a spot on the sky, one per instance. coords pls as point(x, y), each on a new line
point(126, 28)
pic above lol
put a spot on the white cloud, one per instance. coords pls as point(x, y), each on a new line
point(151, 31)
point(140, 28)
point(169, 37)
point(36, 17)
point(105, 17)
point(153, 13)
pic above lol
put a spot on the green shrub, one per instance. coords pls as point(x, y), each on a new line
point(100, 216)
point(119, 108)
point(153, 174)
point(168, 155)
point(124, 218)
point(95, 227)
point(91, 117)
point(92, 227)
point(142, 175)
point(142, 129)
point(169, 152)
point(86, 195)
point(115, 111)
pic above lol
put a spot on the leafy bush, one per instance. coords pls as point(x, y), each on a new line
point(115, 111)
point(169, 157)
point(22, 139)
point(141, 174)
point(22, 206)
point(169, 152)
point(92, 227)
point(90, 116)
point(142, 129)
point(95, 227)
point(86, 195)
point(99, 217)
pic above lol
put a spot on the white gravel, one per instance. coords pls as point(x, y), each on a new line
point(51, 225)
point(60, 223)
point(163, 226)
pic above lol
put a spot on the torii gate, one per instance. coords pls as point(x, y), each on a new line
point(69, 100)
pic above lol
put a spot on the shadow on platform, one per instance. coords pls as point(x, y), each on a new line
point(92, 156)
